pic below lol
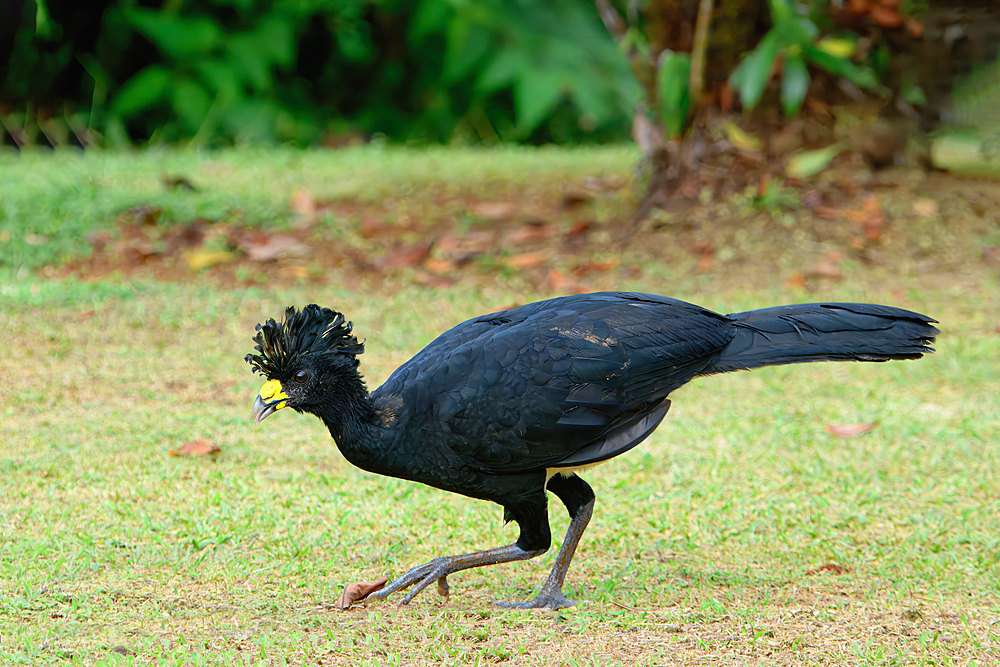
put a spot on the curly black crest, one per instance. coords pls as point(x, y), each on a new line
point(313, 330)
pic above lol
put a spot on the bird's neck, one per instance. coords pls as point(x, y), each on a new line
point(357, 429)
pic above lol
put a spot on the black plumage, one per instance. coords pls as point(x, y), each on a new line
point(504, 406)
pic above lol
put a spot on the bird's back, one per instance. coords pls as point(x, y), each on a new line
point(562, 382)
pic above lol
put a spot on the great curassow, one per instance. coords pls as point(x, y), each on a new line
point(508, 405)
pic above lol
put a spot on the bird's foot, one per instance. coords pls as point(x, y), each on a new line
point(438, 569)
point(546, 600)
point(421, 577)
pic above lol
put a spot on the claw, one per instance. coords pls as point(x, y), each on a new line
point(444, 590)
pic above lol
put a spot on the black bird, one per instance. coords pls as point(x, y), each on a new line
point(508, 405)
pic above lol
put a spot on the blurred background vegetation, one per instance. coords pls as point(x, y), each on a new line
point(332, 72)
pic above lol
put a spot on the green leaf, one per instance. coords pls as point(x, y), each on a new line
point(859, 76)
point(536, 94)
point(810, 163)
point(430, 18)
point(190, 102)
point(278, 38)
point(176, 36)
point(468, 45)
point(142, 91)
point(794, 84)
point(673, 91)
point(782, 11)
point(752, 75)
point(246, 59)
point(220, 77)
point(500, 71)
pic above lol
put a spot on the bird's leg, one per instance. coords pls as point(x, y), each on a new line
point(579, 500)
point(438, 569)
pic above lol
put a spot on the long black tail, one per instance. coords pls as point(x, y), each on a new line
point(824, 332)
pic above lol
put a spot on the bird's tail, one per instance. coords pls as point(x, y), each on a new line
point(824, 332)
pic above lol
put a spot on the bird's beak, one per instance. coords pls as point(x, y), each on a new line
point(270, 399)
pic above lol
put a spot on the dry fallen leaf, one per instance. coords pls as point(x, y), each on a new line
point(591, 267)
point(527, 260)
point(827, 269)
point(405, 256)
point(924, 208)
point(269, 247)
point(796, 280)
point(870, 217)
point(195, 448)
point(200, 259)
point(359, 591)
point(557, 282)
point(534, 233)
point(495, 211)
point(850, 430)
point(302, 202)
point(829, 567)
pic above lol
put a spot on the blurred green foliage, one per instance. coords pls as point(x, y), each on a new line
point(206, 72)
point(791, 45)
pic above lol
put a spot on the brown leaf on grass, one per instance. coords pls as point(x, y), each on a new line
point(531, 233)
point(829, 567)
point(827, 269)
point(302, 203)
point(870, 217)
point(527, 260)
point(592, 267)
point(435, 281)
point(557, 282)
point(796, 281)
point(359, 591)
point(372, 226)
point(850, 430)
point(195, 448)
point(435, 265)
point(463, 249)
point(264, 247)
point(405, 256)
point(495, 211)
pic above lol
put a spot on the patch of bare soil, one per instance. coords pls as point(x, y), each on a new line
point(743, 226)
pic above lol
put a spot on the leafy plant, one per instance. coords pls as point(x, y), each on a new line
point(554, 60)
point(214, 79)
point(792, 45)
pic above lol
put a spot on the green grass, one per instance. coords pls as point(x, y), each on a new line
point(705, 540)
point(49, 203)
point(114, 552)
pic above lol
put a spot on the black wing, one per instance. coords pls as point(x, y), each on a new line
point(564, 382)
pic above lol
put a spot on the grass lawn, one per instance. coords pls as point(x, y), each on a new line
point(741, 533)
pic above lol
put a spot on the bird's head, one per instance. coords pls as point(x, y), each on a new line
point(310, 360)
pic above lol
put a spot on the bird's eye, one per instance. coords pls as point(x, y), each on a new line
point(301, 377)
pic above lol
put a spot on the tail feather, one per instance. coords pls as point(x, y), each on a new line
point(824, 332)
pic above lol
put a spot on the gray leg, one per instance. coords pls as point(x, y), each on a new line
point(579, 500)
point(551, 595)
